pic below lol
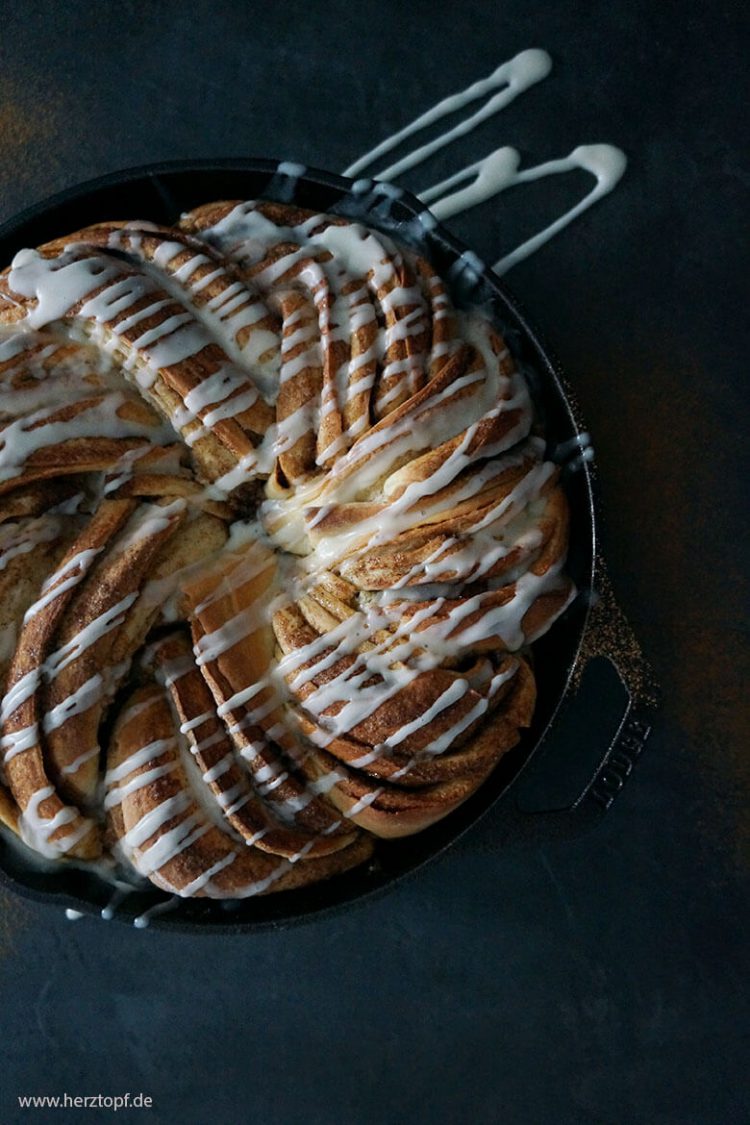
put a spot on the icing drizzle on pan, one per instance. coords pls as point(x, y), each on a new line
point(500, 169)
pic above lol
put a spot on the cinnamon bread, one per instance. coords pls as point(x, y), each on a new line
point(276, 533)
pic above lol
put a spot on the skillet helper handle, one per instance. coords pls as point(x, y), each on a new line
point(598, 737)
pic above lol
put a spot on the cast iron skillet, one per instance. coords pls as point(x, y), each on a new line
point(530, 791)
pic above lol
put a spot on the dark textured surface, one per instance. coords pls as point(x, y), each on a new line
point(598, 981)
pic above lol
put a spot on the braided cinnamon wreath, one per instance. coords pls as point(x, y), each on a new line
point(276, 532)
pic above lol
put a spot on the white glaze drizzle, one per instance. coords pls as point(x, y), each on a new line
point(509, 80)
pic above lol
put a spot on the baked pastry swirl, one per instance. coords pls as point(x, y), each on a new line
point(276, 533)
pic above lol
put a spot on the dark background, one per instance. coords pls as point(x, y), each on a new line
point(596, 981)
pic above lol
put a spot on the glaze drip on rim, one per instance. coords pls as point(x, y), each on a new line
point(277, 533)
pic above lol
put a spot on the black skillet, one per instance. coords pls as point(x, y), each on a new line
point(591, 718)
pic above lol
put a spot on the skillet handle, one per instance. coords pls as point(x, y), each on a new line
point(572, 781)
